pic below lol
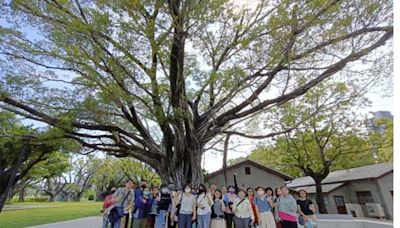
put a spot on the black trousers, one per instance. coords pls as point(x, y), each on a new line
point(127, 220)
point(229, 220)
point(173, 225)
point(288, 224)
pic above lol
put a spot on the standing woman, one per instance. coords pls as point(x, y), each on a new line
point(278, 193)
point(153, 212)
point(244, 215)
point(163, 205)
point(250, 197)
point(224, 191)
point(264, 205)
point(287, 209)
point(306, 209)
point(187, 208)
point(204, 202)
point(229, 199)
point(217, 211)
point(173, 210)
point(270, 193)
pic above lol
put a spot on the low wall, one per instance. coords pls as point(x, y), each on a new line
point(356, 223)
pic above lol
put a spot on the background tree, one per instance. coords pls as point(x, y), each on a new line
point(21, 148)
point(381, 138)
point(157, 80)
point(79, 177)
point(113, 172)
point(107, 175)
point(329, 134)
point(53, 165)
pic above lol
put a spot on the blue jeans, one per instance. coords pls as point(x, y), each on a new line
point(184, 220)
point(160, 219)
point(105, 222)
point(204, 220)
point(117, 224)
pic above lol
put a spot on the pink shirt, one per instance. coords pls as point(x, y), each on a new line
point(287, 217)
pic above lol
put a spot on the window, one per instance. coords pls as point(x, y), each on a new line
point(247, 170)
point(364, 197)
point(339, 200)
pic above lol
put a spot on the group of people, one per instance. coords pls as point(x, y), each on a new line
point(225, 207)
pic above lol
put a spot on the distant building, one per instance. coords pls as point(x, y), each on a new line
point(249, 174)
point(371, 125)
point(362, 192)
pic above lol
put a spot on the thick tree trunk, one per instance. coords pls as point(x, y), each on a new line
point(52, 198)
point(9, 179)
point(319, 196)
point(186, 170)
point(22, 194)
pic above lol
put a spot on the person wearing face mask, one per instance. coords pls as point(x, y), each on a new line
point(250, 196)
point(229, 199)
point(224, 190)
point(264, 205)
point(213, 188)
point(142, 209)
point(204, 203)
point(164, 203)
point(107, 205)
point(244, 215)
point(153, 212)
point(186, 206)
point(287, 209)
point(173, 211)
point(217, 211)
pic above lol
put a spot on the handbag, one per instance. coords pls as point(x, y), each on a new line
point(301, 220)
point(178, 206)
point(117, 212)
point(310, 224)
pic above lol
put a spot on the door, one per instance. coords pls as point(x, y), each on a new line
point(340, 204)
point(363, 198)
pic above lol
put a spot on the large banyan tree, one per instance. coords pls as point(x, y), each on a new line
point(160, 79)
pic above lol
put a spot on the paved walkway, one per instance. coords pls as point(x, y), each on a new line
point(88, 222)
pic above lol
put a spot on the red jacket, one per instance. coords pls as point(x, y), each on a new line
point(253, 206)
point(107, 201)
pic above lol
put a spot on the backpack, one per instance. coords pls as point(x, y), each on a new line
point(117, 212)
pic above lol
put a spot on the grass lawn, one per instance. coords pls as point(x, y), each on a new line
point(61, 211)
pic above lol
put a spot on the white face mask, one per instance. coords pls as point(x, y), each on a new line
point(260, 193)
point(188, 190)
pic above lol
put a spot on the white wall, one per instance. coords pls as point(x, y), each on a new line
point(353, 224)
point(349, 190)
point(386, 185)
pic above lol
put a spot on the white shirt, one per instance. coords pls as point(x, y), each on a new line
point(187, 203)
point(242, 210)
point(203, 202)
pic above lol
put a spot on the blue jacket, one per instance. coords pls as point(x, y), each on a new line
point(142, 210)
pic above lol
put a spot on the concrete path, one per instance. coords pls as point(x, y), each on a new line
point(88, 222)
